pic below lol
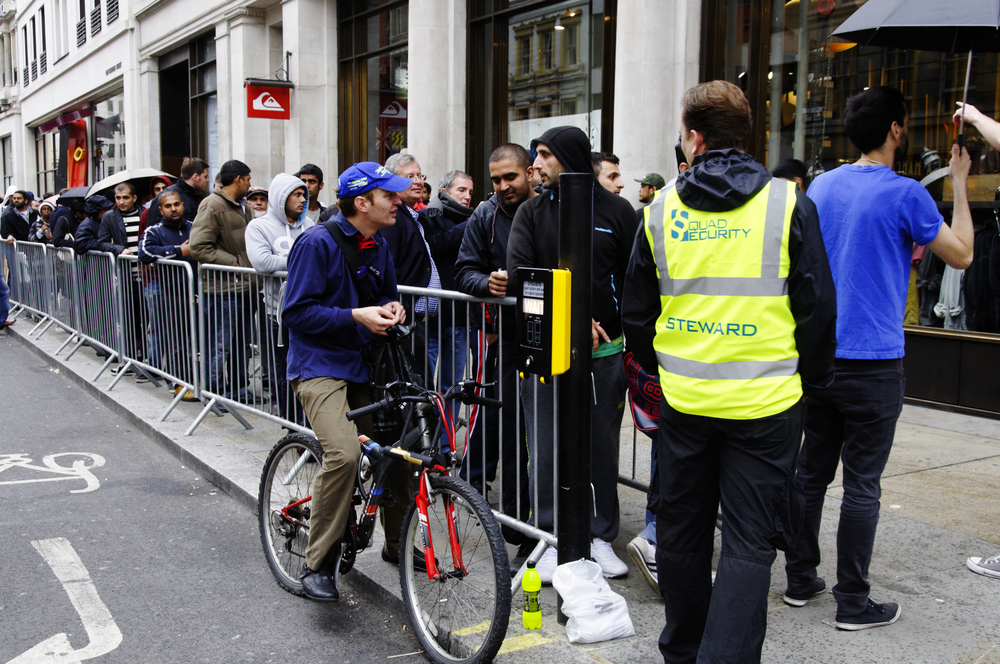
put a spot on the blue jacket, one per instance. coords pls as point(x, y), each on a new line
point(85, 238)
point(164, 241)
point(324, 341)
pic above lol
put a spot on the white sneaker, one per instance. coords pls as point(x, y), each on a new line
point(602, 554)
point(546, 566)
point(643, 554)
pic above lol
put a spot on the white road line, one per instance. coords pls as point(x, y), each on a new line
point(97, 621)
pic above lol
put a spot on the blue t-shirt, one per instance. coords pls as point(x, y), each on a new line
point(870, 218)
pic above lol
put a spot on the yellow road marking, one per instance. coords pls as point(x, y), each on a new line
point(521, 642)
point(474, 629)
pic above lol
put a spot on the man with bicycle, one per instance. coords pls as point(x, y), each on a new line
point(331, 312)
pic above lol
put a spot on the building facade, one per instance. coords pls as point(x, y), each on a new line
point(91, 87)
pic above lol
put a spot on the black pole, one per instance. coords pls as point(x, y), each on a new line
point(575, 392)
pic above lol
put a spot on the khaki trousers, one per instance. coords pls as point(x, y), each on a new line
point(326, 402)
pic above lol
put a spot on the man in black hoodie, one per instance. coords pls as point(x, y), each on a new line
point(482, 272)
point(534, 242)
point(192, 188)
point(729, 297)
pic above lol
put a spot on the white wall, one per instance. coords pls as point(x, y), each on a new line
point(657, 59)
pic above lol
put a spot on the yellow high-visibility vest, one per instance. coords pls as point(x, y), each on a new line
point(725, 338)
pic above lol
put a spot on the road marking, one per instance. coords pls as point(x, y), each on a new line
point(515, 643)
point(97, 621)
point(79, 470)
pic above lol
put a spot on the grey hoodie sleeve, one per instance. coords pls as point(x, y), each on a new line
point(260, 252)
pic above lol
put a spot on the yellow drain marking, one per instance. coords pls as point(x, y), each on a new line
point(474, 629)
point(521, 642)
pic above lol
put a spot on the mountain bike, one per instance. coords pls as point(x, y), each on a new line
point(453, 565)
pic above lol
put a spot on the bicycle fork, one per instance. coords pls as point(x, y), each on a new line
point(423, 504)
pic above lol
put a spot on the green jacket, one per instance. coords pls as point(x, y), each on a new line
point(217, 237)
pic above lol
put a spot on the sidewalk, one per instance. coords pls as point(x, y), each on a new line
point(940, 504)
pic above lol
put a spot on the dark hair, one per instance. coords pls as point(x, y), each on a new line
point(192, 166)
point(514, 152)
point(869, 115)
point(231, 170)
point(26, 195)
point(311, 169)
point(719, 111)
point(167, 193)
point(348, 207)
point(597, 157)
point(427, 188)
point(122, 187)
point(679, 153)
point(790, 169)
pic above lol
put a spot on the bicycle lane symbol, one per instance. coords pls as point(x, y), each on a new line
point(97, 620)
point(79, 470)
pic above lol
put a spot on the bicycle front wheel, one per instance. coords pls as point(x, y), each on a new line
point(287, 481)
point(463, 616)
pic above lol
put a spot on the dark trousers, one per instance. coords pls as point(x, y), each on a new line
point(748, 465)
point(853, 420)
point(483, 445)
point(605, 423)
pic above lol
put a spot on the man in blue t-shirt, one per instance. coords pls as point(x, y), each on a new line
point(870, 218)
point(330, 319)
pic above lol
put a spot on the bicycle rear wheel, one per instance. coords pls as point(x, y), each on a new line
point(462, 617)
point(287, 479)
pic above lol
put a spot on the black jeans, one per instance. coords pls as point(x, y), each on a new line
point(853, 420)
point(748, 465)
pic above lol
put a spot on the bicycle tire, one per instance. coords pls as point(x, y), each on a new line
point(473, 634)
point(285, 542)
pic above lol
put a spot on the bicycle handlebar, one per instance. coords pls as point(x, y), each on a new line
point(371, 408)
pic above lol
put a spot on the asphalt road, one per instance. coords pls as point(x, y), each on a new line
point(142, 551)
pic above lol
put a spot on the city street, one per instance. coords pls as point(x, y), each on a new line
point(111, 545)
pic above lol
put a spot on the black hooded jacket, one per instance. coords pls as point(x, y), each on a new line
point(723, 180)
point(190, 196)
point(534, 234)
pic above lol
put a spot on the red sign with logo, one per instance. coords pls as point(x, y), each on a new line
point(268, 102)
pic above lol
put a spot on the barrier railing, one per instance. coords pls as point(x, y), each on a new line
point(217, 336)
point(99, 308)
point(159, 324)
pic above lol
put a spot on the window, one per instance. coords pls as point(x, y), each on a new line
point(571, 36)
point(204, 101)
point(545, 110)
point(569, 107)
point(522, 113)
point(546, 40)
point(109, 135)
point(43, 61)
point(8, 162)
point(523, 55)
point(374, 79)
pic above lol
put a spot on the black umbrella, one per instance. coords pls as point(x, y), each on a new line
point(927, 25)
point(74, 194)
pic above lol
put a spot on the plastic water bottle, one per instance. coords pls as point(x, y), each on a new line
point(531, 616)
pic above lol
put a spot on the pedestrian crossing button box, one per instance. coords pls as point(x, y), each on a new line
point(543, 313)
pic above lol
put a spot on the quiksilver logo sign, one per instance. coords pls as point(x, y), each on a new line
point(266, 102)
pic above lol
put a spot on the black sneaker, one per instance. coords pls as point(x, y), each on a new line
point(875, 615)
point(319, 585)
point(800, 599)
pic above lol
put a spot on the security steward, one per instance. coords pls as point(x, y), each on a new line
point(729, 295)
point(329, 322)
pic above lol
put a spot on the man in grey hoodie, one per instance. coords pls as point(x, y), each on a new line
point(269, 240)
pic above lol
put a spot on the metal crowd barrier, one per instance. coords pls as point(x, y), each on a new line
point(99, 308)
point(159, 324)
point(218, 337)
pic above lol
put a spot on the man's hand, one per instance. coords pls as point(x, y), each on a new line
point(972, 114)
point(958, 169)
point(186, 248)
point(398, 311)
point(498, 283)
point(126, 252)
point(10, 239)
point(598, 333)
point(376, 319)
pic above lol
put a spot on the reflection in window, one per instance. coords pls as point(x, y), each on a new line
point(523, 55)
point(109, 134)
point(547, 38)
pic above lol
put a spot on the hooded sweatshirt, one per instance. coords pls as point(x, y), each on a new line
point(720, 181)
point(270, 237)
point(534, 235)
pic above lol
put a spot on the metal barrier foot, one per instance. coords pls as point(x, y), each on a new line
point(119, 374)
point(78, 346)
point(107, 363)
point(68, 341)
point(40, 322)
point(201, 416)
point(239, 418)
point(173, 404)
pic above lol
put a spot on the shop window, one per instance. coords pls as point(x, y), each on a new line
point(7, 155)
point(374, 79)
point(109, 135)
point(572, 42)
point(798, 102)
point(53, 160)
point(204, 101)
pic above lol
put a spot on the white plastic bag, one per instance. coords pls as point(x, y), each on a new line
point(595, 612)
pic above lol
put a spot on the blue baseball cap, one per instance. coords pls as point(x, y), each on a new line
point(367, 175)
